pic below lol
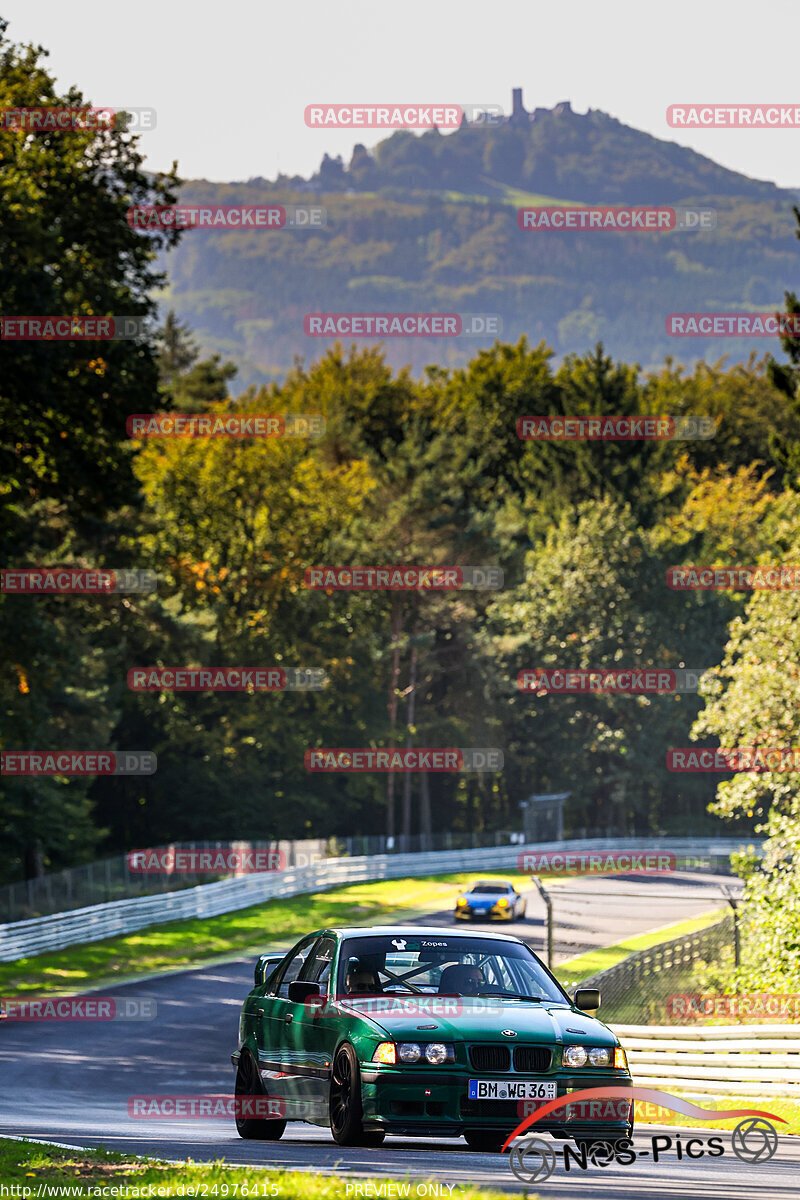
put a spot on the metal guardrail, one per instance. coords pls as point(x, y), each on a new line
point(112, 879)
point(21, 939)
point(741, 1060)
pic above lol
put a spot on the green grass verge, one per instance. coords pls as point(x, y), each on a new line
point(190, 943)
point(788, 1109)
point(585, 965)
point(26, 1165)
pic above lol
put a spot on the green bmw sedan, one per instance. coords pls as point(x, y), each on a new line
point(423, 1033)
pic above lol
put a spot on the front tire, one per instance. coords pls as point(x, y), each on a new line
point(248, 1084)
point(485, 1140)
point(344, 1105)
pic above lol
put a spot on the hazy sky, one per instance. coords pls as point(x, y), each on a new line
point(230, 82)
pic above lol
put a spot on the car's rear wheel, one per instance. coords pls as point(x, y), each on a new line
point(484, 1139)
point(345, 1102)
point(249, 1084)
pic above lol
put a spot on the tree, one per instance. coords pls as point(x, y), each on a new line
point(753, 699)
point(177, 352)
point(65, 465)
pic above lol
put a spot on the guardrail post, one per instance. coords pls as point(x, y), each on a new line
point(735, 906)
point(549, 906)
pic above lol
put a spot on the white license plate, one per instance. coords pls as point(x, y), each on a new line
point(511, 1089)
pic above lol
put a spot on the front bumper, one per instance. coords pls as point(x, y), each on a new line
point(484, 914)
point(426, 1102)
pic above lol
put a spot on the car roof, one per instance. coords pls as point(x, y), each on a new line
point(414, 931)
point(495, 883)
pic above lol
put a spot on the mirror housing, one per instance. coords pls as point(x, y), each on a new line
point(587, 999)
point(265, 965)
point(300, 991)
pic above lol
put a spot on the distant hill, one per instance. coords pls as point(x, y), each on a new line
point(593, 158)
point(428, 223)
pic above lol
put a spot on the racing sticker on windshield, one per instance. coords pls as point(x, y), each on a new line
point(415, 945)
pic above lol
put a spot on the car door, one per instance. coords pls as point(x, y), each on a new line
point(309, 1033)
point(273, 1008)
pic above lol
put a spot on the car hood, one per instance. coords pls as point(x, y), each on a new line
point(449, 1018)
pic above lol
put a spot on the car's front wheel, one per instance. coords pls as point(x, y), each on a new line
point(484, 1139)
point(345, 1102)
point(248, 1084)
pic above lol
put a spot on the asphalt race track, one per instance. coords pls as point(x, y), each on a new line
point(70, 1082)
point(599, 911)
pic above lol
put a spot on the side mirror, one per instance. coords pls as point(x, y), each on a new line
point(587, 999)
point(300, 991)
point(265, 965)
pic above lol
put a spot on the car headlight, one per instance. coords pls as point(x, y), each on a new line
point(575, 1056)
point(601, 1056)
point(436, 1052)
point(385, 1053)
point(462, 902)
point(502, 902)
point(620, 1058)
point(409, 1052)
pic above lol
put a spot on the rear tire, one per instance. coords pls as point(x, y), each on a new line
point(344, 1105)
point(249, 1084)
point(485, 1140)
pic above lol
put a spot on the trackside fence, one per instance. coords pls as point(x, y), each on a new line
point(646, 982)
point(21, 939)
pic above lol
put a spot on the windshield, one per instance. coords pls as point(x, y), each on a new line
point(490, 887)
point(382, 965)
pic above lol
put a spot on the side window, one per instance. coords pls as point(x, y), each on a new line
point(317, 967)
point(294, 966)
